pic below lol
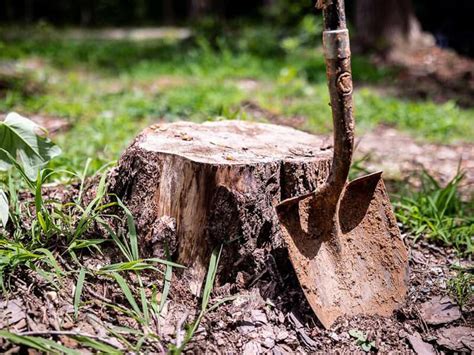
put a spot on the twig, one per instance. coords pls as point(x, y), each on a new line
point(99, 296)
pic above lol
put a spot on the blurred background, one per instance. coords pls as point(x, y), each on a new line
point(448, 21)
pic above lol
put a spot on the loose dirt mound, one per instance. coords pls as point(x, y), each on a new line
point(436, 73)
point(401, 156)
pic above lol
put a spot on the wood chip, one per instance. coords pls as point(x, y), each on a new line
point(421, 347)
point(456, 338)
point(439, 310)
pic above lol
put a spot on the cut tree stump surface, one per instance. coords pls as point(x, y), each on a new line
point(233, 142)
point(192, 187)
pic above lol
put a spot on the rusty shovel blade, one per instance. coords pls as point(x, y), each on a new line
point(362, 267)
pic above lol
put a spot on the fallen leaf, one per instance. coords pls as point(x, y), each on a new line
point(11, 311)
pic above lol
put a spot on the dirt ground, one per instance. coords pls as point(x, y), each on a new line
point(271, 316)
point(401, 156)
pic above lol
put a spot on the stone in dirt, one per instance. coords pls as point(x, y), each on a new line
point(456, 338)
point(421, 347)
point(440, 310)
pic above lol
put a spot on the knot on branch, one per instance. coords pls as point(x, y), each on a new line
point(322, 4)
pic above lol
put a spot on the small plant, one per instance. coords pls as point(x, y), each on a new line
point(206, 296)
point(439, 214)
point(24, 146)
point(461, 287)
point(362, 340)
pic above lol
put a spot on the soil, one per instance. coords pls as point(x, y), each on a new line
point(403, 157)
point(270, 316)
point(434, 73)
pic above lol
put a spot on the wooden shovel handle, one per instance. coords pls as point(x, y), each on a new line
point(338, 70)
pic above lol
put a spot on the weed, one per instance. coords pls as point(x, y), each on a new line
point(461, 287)
point(206, 295)
point(438, 213)
point(362, 340)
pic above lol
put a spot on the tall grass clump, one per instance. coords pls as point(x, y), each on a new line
point(439, 214)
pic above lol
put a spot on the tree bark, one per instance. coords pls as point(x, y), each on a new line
point(168, 12)
point(193, 187)
point(382, 25)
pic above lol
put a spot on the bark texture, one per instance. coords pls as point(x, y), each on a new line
point(192, 187)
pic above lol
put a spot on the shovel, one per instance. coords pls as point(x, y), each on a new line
point(343, 239)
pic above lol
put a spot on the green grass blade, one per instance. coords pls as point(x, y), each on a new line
point(143, 300)
point(127, 292)
point(95, 344)
point(41, 344)
point(132, 231)
point(51, 259)
point(78, 291)
point(4, 208)
point(166, 285)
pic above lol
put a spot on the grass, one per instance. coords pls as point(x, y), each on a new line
point(461, 287)
point(439, 214)
point(109, 91)
point(32, 241)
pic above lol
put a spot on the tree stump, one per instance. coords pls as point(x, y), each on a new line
point(193, 187)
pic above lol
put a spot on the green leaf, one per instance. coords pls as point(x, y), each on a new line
point(41, 344)
point(21, 138)
point(355, 333)
point(78, 291)
point(367, 346)
point(3, 208)
point(127, 292)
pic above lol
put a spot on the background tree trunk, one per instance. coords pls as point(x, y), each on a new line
point(168, 12)
point(197, 8)
point(383, 25)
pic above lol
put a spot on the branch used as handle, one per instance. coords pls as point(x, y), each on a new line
point(338, 70)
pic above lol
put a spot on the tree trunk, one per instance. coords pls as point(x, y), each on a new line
point(193, 187)
point(168, 12)
point(382, 25)
point(197, 8)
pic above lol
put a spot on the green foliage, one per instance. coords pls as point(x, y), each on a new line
point(23, 147)
point(206, 296)
point(78, 290)
point(38, 343)
point(461, 287)
point(438, 213)
point(21, 140)
point(362, 340)
point(440, 122)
